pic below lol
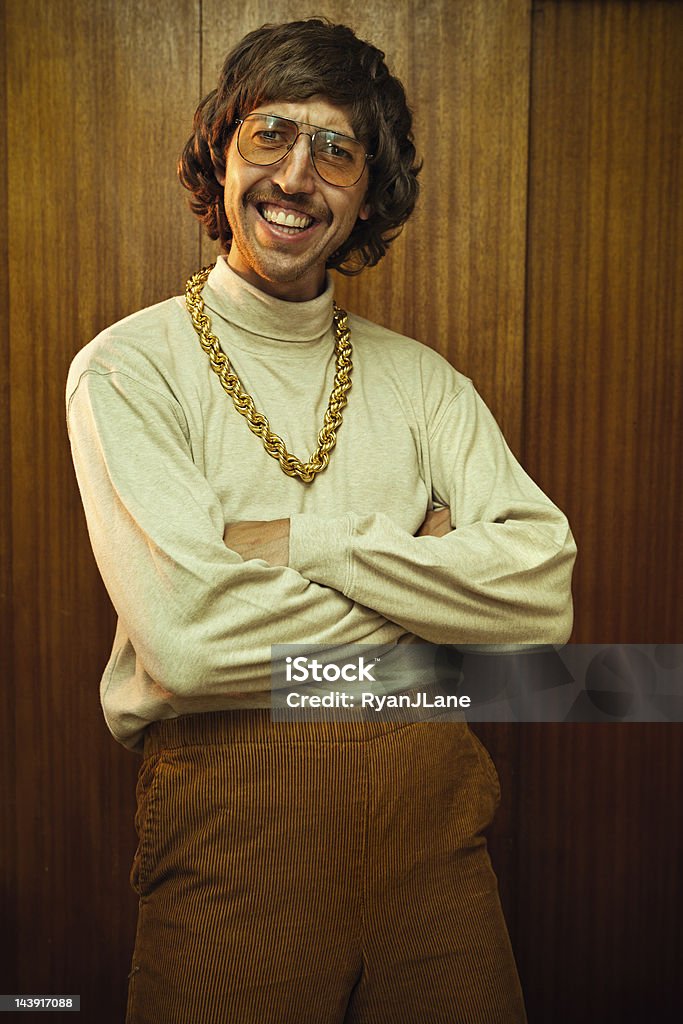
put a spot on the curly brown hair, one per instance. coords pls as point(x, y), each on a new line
point(294, 61)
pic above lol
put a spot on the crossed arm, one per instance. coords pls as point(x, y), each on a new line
point(491, 565)
point(269, 540)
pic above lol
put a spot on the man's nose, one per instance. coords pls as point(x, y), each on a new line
point(295, 172)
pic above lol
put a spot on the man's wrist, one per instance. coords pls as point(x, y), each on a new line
point(319, 548)
point(265, 540)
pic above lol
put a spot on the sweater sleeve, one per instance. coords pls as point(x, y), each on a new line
point(201, 620)
point(501, 576)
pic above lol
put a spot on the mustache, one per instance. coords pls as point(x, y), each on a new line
point(277, 196)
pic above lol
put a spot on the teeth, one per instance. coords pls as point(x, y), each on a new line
point(285, 218)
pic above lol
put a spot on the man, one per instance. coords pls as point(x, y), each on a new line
point(303, 872)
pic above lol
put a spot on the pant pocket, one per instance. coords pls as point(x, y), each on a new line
point(487, 766)
point(147, 797)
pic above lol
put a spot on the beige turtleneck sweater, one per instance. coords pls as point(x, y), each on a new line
point(164, 462)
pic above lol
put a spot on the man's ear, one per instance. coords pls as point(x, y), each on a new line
point(219, 172)
point(219, 166)
point(365, 211)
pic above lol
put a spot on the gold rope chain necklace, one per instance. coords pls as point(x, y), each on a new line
point(243, 402)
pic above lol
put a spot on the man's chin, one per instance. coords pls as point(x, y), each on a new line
point(286, 277)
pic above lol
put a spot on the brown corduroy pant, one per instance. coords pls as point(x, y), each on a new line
point(317, 873)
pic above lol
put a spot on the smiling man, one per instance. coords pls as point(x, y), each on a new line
point(288, 221)
point(259, 468)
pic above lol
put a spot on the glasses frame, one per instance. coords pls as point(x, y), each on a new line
point(240, 121)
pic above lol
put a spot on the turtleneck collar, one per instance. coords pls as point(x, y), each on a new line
point(245, 306)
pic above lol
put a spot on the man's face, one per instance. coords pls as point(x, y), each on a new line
point(282, 262)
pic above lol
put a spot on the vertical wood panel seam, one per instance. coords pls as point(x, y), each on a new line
point(517, 776)
point(527, 236)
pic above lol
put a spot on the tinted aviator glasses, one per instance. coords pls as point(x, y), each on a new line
point(265, 139)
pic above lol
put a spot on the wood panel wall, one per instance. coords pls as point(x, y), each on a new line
point(603, 422)
point(97, 99)
point(603, 395)
point(7, 740)
point(544, 260)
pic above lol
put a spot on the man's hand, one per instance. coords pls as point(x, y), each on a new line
point(437, 523)
point(269, 540)
point(266, 540)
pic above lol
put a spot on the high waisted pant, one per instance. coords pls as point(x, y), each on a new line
point(299, 873)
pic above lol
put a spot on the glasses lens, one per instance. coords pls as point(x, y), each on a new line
point(263, 139)
point(338, 159)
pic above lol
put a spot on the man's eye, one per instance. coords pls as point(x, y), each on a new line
point(336, 152)
point(268, 135)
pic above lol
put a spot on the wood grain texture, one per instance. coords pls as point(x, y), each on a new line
point(603, 397)
point(95, 95)
point(600, 839)
point(8, 847)
point(599, 881)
